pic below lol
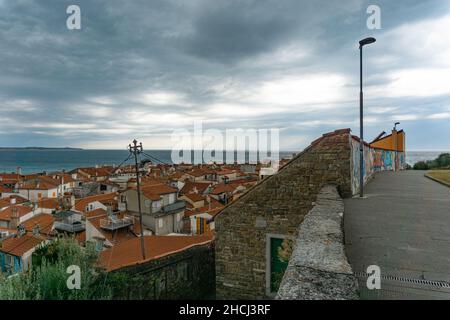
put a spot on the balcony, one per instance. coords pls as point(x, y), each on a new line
point(113, 223)
point(174, 207)
point(70, 226)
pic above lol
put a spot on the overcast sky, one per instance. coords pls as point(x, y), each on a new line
point(144, 68)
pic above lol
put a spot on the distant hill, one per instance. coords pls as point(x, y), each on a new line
point(37, 148)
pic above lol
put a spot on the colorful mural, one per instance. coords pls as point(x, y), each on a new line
point(375, 160)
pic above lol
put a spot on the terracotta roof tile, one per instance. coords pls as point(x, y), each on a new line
point(222, 188)
point(129, 253)
point(48, 203)
point(191, 187)
point(45, 222)
point(80, 204)
point(6, 202)
point(22, 210)
point(21, 245)
point(115, 237)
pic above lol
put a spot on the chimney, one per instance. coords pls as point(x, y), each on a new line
point(36, 229)
point(19, 170)
point(12, 201)
point(21, 230)
point(14, 223)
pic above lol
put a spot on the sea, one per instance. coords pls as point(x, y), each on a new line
point(51, 160)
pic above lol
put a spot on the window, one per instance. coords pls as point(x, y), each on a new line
point(278, 253)
point(160, 223)
point(54, 195)
point(99, 244)
point(39, 195)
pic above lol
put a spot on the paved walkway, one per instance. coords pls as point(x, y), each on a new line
point(403, 226)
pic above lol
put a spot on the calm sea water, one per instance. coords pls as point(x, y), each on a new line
point(32, 161)
point(55, 160)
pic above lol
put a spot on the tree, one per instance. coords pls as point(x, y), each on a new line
point(441, 162)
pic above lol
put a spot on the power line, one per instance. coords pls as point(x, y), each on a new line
point(155, 158)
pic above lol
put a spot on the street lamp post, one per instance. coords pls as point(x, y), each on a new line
point(362, 43)
point(395, 146)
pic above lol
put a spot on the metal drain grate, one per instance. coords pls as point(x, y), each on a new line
point(437, 284)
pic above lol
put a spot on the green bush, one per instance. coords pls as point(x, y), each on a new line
point(421, 165)
point(441, 162)
point(47, 280)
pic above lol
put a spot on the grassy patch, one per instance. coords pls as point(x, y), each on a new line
point(443, 175)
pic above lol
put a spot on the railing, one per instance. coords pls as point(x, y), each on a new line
point(177, 205)
point(112, 223)
point(68, 226)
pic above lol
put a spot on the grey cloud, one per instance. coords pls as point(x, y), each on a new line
point(129, 48)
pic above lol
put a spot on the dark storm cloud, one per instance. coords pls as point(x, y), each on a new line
point(143, 68)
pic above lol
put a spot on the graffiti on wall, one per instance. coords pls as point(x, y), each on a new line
point(368, 165)
point(375, 160)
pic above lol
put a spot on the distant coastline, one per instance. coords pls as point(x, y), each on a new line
point(38, 148)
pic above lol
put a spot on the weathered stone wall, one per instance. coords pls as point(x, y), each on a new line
point(188, 274)
point(318, 268)
point(276, 206)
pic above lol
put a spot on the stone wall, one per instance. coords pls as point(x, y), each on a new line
point(188, 274)
point(275, 208)
point(318, 268)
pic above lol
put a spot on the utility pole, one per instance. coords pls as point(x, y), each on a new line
point(136, 149)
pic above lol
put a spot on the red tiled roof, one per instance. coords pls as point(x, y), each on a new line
point(225, 171)
point(38, 184)
point(129, 253)
point(196, 173)
point(48, 203)
point(189, 187)
point(19, 246)
point(6, 202)
point(6, 214)
point(159, 189)
point(211, 208)
point(4, 189)
point(222, 188)
point(97, 172)
point(116, 237)
point(81, 237)
point(9, 176)
point(107, 198)
point(195, 197)
point(45, 222)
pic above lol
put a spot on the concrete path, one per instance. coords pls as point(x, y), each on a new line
point(403, 226)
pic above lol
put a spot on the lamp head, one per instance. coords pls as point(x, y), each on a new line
point(365, 41)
